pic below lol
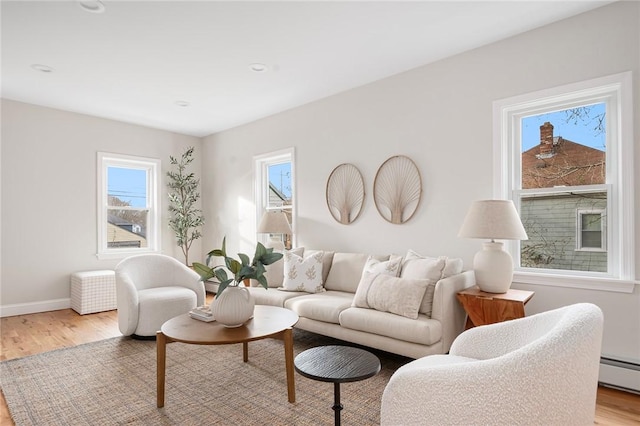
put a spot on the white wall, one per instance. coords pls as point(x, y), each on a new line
point(439, 115)
point(49, 197)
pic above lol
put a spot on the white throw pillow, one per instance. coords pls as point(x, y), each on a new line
point(303, 274)
point(374, 266)
point(385, 293)
point(452, 266)
point(389, 267)
point(416, 266)
point(274, 273)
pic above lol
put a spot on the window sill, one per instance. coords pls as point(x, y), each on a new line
point(572, 281)
point(119, 255)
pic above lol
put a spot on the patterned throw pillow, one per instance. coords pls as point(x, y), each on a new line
point(303, 274)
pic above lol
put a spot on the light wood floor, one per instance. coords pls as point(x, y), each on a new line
point(31, 334)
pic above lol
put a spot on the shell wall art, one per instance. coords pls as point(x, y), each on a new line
point(345, 193)
point(397, 189)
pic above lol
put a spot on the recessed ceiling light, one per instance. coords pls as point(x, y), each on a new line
point(182, 103)
point(93, 6)
point(258, 67)
point(42, 68)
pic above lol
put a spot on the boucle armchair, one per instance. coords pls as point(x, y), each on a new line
point(151, 289)
point(537, 370)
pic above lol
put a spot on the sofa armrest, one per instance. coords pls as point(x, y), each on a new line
point(188, 278)
point(495, 340)
point(446, 307)
point(127, 303)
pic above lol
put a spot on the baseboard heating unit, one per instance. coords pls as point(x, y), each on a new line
point(623, 375)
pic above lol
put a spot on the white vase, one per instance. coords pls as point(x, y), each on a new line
point(233, 307)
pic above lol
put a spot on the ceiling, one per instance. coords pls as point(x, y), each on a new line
point(138, 60)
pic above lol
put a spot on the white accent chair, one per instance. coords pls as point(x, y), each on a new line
point(151, 289)
point(537, 370)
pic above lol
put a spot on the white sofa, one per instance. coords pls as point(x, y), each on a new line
point(538, 370)
point(330, 312)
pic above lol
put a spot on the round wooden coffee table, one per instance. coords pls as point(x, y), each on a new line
point(337, 364)
point(267, 322)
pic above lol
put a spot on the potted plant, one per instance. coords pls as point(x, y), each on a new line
point(186, 218)
point(235, 305)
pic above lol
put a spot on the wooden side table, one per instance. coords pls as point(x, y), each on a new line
point(487, 308)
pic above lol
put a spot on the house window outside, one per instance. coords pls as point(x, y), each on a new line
point(591, 232)
point(274, 176)
point(564, 157)
point(128, 220)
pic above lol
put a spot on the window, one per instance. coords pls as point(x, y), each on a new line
point(564, 157)
point(128, 219)
point(590, 233)
point(274, 180)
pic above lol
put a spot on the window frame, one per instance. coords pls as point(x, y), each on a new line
point(616, 91)
point(261, 188)
point(152, 167)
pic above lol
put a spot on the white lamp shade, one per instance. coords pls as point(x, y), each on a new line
point(274, 223)
point(493, 219)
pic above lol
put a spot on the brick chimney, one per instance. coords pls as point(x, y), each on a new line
point(546, 139)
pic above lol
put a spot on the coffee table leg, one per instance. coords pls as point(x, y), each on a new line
point(287, 337)
point(337, 407)
point(245, 351)
point(161, 345)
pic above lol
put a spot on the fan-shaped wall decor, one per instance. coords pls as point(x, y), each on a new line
point(397, 189)
point(345, 193)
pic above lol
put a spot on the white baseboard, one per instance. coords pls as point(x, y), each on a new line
point(620, 376)
point(34, 307)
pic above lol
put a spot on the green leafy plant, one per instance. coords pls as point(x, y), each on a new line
point(241, 269)
point(186, 218)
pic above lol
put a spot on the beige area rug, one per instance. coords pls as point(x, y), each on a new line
point(113, 382)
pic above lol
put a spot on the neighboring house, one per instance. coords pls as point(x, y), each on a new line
point(277, 199)
point(566, 230)
point(121, 233)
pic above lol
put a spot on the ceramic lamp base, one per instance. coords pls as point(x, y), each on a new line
point(275, 243)
point(493, 268)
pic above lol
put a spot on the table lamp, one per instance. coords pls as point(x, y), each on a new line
point(274, 223)
point(493, 219)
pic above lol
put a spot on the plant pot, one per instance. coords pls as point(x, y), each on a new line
point(233, 307)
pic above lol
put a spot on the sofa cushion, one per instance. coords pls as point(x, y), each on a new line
point(303, 274)
point(423, 330)
point(272, 296)
point(324, 307)
point(346, 270)
point(419, 267)
point(400, 296)
point(274, 273)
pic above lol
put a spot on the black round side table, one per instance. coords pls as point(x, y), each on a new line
point(337, 364)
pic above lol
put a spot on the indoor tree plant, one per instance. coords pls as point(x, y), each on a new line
point(186, 218)
point(235, 305)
